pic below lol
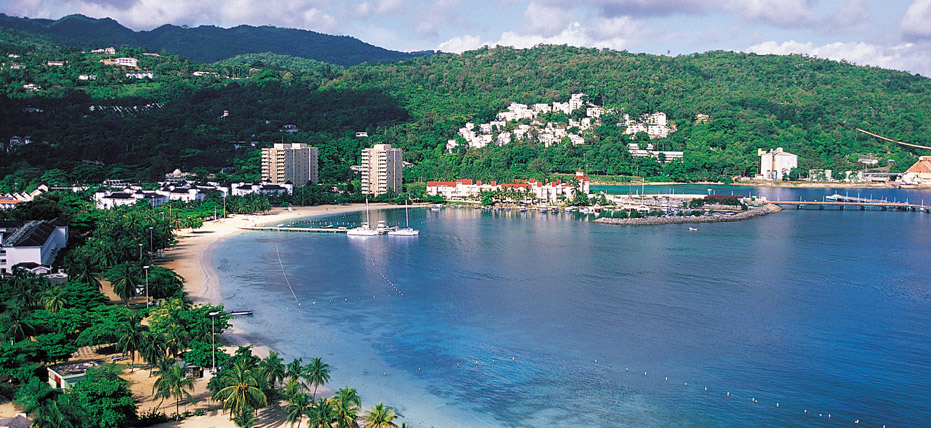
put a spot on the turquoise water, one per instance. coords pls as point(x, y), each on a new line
point(513, 320)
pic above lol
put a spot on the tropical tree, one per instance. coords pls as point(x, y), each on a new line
point(123, 278)
point(53, 299)
point(172, 382)
point(83, 268)
point(272, 368)
point(239, 387)
point(152, 350)
point(346, 405)
point(316, 373)
point(322, 414)
point(132, 338)
point(298, 405)
point(380, 416)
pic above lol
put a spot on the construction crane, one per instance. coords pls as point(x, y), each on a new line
point(893, 141)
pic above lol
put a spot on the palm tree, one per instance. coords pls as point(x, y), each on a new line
point(322, 414)
point(132, 338)
point(380, 416)
point(316, 373)
point(123, 278)
point(272, 369)
point(153, 348)
point(53, 300)
point(298, 405)
point(82, 268)
point(347, 405)
point(240, 388)
point(292, 387)
point(172, 382)
point(295, 370)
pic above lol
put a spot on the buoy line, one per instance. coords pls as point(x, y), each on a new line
point(285, 275)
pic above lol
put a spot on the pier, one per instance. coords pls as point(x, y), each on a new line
point(298, 229)
point(862, 205)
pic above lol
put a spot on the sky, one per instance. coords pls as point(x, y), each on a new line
point(894, 34)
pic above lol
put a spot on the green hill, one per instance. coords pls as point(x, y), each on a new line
point(207, 43)
point(807, 106)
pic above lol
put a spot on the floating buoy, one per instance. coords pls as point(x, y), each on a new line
point(706, 389)
point(667, 379)
point(777, 404)
point(686, 384)
point(728, 393)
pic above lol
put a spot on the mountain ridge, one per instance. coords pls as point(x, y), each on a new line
point(209, 43)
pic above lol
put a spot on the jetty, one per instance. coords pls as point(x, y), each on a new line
point(298, 229)
point(842, 202)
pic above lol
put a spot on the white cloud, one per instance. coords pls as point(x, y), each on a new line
point(547, 20)
point(460, 44)
point(782, 13)
point(917, 20)
point(912, 57)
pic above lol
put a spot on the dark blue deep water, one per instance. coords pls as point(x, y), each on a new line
point(536, 320)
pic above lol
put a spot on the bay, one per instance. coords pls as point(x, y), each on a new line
point(529, 320)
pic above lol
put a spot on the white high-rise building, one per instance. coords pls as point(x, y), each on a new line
point(381, 169)
point(294, 162)
point(776, 164)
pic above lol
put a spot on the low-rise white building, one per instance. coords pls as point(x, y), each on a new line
point(548, 193)
point(776, 164)
point(31, 242)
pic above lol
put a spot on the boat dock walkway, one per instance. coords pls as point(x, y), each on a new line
point(298, 229)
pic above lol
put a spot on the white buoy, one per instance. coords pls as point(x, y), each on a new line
point(667, 379)
point(777, 404)
point(686, 384)
point(706, 389)
point(728, 393)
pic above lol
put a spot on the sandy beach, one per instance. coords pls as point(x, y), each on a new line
point(188, 258)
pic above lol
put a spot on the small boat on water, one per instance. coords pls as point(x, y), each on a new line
point(404, 231)
point(436, 207)
point(693, 229)
point(365, 229)
point(543, 208)
point(523, 209)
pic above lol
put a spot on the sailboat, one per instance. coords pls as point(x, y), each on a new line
point(365, 229)
point(405, 231)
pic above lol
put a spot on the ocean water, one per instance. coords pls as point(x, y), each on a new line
point(504, 319)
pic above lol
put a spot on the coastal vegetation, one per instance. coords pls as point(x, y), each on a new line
point(83, 131)
point(43, 323)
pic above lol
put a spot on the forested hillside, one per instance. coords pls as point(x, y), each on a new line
point(140, 129)
point(207, 43)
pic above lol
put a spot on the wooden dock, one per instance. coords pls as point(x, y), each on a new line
point(298, 229)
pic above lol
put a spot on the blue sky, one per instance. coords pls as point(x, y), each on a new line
point(892, 34)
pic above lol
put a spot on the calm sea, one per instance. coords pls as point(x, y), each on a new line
point(503, 319)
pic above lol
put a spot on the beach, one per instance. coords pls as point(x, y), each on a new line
point(189, 259)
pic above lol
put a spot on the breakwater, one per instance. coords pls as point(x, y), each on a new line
point(644, 221)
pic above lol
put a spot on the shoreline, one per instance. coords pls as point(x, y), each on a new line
point(779, 184)
point(189, 257)
point(651, 221)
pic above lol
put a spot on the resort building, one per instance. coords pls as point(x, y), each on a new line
point(549, 193)
point(30, 242)
point(919, 173)
point(290, 162)
point(382, 169)
point(776, 164)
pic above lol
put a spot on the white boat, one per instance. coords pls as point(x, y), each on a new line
point(365, 229)
point(543, 208)
point(404, 231)
point(436, 208)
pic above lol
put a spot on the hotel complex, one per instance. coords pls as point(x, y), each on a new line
point(290, 162)
point(461, 190)
point(381, 169)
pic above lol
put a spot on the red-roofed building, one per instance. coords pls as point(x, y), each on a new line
point(551, 192)
point(919, 173)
